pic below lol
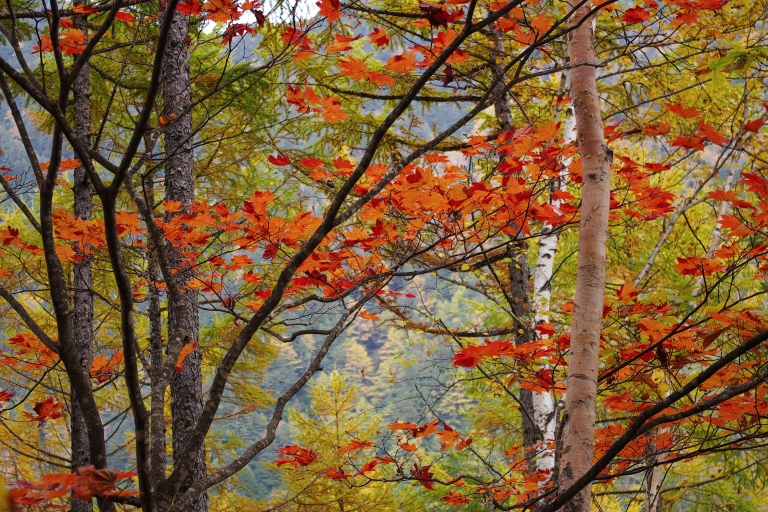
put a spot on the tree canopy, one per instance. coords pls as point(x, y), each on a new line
point(377, 255)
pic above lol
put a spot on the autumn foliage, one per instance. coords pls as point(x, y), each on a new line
point(369, 172)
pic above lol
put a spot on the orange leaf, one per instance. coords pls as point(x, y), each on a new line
point(545, 329)
point(698, 266)
point(341, 44)
point(379, 37)
point(678, 109)
point(185, 351)
point(542, 23)
point(627, 292)
point(85, 9)
point(331, 110)
point(353, 67)
point(463, 443)
point(367, 467)
point(403, 63)
point(402, 425)
point(72, 41)
point(688, 143)
point(448, 437)
point(427, 429)
point(456, 498)
point(661, 129)
point(172, 206)
point(708, 132)
point(355, 445)
point(369, 316)
point(329, 9)
point(337, 473)
point(44, 44)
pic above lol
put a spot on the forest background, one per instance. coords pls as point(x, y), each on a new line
point(448, 143)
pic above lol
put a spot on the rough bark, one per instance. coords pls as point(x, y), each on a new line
point(157, 359)
point(580, 402)
point(519, 272)
point(82, 318)
point(183, 321)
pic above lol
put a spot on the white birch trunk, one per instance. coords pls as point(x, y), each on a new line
point(544, 403)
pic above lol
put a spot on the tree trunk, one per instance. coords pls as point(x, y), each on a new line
point(544, 403)
point(596, 157)
point(183, 322)
point(654, 479)
point(519, 272)
point(82, 319)
point(156, 353)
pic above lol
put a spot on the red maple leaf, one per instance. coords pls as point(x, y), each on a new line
point(688, 143)
point(279, 160)
point(379, 37)
point(337, 473)
point(708, 132)
point(471, 356)
point(295, 456)
point(698, 266)
point(355, 445)
point(627, 292)
point(125, 16)
point(368, 467)
point(754, 125)
point(5, 396)
point(635, 15)
point(661, 129)
point(189, 7)
point(47, 409)
point(545, 329)
point(456, 498)
point(94, 482)
point(436, 15)
point(678, 109)
point(329, 9)
point(423, 475)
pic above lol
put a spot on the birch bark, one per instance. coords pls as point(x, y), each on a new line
point(580, 402)
point(544, 403)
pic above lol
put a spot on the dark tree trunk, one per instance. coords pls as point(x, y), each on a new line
point(82, 320)
point(183, 322)
point(519, 272)
point(156, 350)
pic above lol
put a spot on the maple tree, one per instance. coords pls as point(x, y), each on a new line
point(225, 176)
